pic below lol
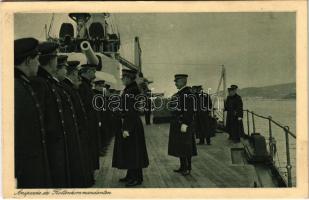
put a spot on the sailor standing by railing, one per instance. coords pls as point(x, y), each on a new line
point(234, 108)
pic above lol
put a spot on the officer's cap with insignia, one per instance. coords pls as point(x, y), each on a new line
point(233, 87)
point(72, 65)
point(23, 48)
point(181, 76)
point(99, 82)
point(62, 61)
point(195, 87)
point(48, 51)
point(129, 73)
point(87, 67)
point(107, 86)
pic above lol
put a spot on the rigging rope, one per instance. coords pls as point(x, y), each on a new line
point(51, 24)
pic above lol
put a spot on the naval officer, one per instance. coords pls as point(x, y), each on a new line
point(234, 108)
point(181, 142)
point(71, 84)
point(130, 150)
point(100, 103)
point(87, 74)
point(31, 161)
point(76, 160)
point(49, 95)
point(203, 116)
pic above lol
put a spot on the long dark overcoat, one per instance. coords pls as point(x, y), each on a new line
point(77, 162)
point(130, 152)
point(87, 94)
point(82, 120)
point(182, 144)
point(202, 118)
point(234, 108)
point(100, 102)
point(56, 137)
point(31, 161)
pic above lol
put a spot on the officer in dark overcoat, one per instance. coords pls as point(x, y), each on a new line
point(130, 150)
point(108, 114)
point(202, 116)
point(49, 96)
point(113, 116)
point(100, 94)
point(181, 142)
point(234, 108)
point(76, 160)
point(148, 108)
point(31, 161)
point(71, 84)
point(87, 74)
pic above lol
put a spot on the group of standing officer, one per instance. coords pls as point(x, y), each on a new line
point(58, 133)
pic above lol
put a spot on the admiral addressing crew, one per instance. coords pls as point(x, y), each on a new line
point(130, 150)
point(181, 142)
point(234, 108)
point(31, 158)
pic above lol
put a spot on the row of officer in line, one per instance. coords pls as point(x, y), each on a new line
point(58, 133)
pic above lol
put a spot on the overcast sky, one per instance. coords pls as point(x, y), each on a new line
point(258, 49)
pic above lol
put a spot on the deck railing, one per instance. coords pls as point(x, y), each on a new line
point(287, 136)
point(272, 142)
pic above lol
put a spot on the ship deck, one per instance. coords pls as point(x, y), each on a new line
point(217, 165)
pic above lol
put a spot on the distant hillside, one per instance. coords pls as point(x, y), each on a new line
point(281, 91)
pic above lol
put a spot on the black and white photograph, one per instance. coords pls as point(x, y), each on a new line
point(107, 100)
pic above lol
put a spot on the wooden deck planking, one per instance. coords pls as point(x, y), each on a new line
point(211, 168)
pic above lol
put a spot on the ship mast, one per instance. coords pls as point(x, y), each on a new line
point(51, 25)
point(137, 54)
point(223, 82)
